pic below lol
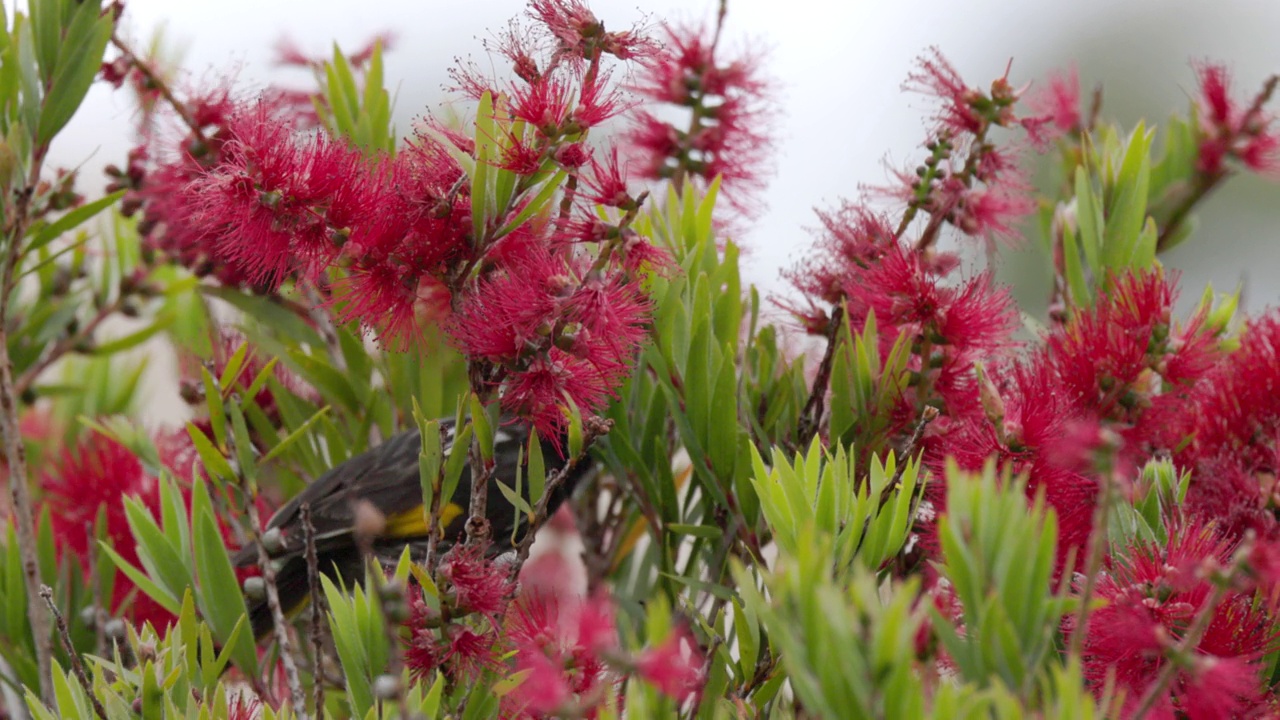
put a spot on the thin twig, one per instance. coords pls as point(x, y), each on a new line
point(27, 379)
point(76, 666)
point(154, 80)
point(811, 418)
point(15, 452)
point(478, 529)
point(296, 696)
point(317, 619)
point(593, 430)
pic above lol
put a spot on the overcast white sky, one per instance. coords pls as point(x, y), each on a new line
point(841, 64)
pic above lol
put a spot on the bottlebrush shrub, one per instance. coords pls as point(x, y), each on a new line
point(925, 516)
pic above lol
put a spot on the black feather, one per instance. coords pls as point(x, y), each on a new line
point(387, 476)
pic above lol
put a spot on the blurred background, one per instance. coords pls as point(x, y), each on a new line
point(840, 67)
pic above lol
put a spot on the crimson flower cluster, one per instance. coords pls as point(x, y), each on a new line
point(550, 310)
point(1230, 132)
point(566, 646)
point(95, 477)
point(1114, 385)
point(728, 133)
point(1151, 600)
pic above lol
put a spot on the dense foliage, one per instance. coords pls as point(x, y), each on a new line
point(936, 505)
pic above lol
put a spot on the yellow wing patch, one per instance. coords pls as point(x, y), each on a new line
point(413, 523)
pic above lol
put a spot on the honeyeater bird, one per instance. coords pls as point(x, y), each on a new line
point(387, 477)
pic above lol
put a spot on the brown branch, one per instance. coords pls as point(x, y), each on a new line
point(154, 80)
point(594, 429)
point(28, 378)
point(76, 666)
point(811, 417)
point(478, 529)
point(317, 608)
point(15, 452)
point(277, 616)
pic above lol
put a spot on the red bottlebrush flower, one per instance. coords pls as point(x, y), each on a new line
point(560, 649)
point(1219, 108)
point(1230, 131)
point(273, 206)
point(545, 688)
point(1025, 435)
point(905, 295)
point(992, 212)
point(470, 652)
point(526, 158)
point(732, 123)
point(422, 655)
point(510, 312)
point(1128, 364)
point(937, 77)
point(480, 586)
point(598, 101)
point(597, 627)
point(580, 36)
point(674, 667)
point(606, 183)
point(1237, 407)
point(1228, 434)
point(544, 104)
point(853, 237)
point(94, 477)
point(1059, 102)
point(570, 22)
point(611, 314)
point(543, 391)
point(563, 344)
point(573, 155)
point(1152, 597)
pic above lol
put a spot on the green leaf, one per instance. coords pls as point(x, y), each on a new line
point(140, 579)
point(1128, 210)
point(133, 339)
point(537, 468)
point(79, 57)
point(710, 532)
point(155, 551)
point(722, 441)
point(430, 458)
point(213, 459)
point(484, 431)
point(300, 432)
point(219, 595)
point(538, 202)
point(455, 463)
point(42, 234)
